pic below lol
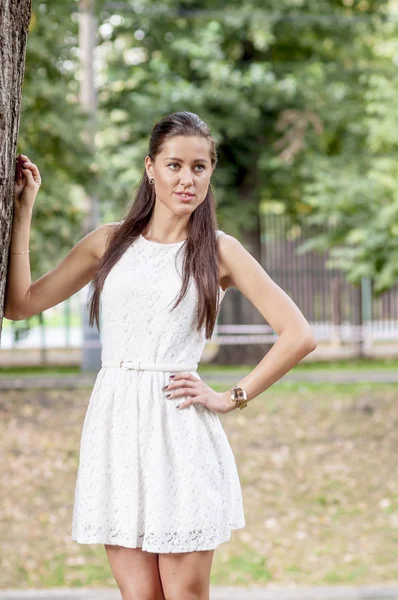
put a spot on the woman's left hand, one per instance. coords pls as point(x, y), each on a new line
point(186, 384)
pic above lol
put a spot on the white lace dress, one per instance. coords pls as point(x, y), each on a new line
point(152, 476)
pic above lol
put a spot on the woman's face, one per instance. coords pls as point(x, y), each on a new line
point(183, 165)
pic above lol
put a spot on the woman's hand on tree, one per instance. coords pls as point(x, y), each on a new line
point(27, 183)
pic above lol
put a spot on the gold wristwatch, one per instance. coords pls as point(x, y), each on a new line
point(239, 396)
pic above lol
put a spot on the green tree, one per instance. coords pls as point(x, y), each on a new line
point(14, 20)
point(284, 87)
point(354, 192)
point(51, 132)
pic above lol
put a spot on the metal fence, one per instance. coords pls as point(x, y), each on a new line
point(338, 311)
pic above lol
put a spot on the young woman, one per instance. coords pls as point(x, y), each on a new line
point(157, 482)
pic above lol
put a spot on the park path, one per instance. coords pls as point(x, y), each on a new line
point(338, 592)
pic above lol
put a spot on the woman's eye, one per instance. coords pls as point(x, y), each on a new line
point(202, 167)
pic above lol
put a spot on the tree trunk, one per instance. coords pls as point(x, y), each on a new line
point(14, 24)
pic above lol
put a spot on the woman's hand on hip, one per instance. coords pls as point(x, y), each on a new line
point(186, 384)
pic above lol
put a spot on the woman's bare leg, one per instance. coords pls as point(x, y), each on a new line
point(136, 572)
point(186, 575)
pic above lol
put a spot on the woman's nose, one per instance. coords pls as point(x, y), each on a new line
point(186, 176)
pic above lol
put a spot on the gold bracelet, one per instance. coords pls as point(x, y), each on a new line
point(25, 252)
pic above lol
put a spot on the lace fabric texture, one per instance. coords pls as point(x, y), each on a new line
point(151, 476)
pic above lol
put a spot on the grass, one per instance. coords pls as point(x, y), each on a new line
point(38, 371)
point(357, 364)
point(365, 364)
point(330, 365)
point(51, 319)
point(318, 470)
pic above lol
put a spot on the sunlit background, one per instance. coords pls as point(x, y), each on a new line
point(301, 98)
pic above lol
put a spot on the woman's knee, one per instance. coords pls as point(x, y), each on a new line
point(136, 573)
point(186, 576)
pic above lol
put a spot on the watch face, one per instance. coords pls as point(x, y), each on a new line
point(239, 394)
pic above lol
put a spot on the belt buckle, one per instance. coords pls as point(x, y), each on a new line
point(136, 366)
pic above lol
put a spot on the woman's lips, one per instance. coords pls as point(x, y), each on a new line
point(185, 196)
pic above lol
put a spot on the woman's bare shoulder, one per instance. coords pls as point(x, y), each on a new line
point(100, 238)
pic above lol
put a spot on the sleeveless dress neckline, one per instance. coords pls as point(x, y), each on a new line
point(151, 476)
point(161, 243)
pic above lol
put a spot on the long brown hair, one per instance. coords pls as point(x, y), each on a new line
point(201, 257)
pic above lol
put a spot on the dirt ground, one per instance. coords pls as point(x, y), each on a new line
point(318, 466)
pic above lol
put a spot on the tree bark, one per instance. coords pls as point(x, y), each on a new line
point(14, 24)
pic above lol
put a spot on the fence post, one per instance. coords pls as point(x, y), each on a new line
point(357, 319)
point(335, 337)
point(367, 306)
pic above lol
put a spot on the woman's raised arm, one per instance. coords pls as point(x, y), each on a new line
point(23, 298)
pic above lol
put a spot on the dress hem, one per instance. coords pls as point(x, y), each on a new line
point(150, 548)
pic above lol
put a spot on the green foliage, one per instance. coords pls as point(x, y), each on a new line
point(300, 97)
point(294, 93)
point(354, 192)
point(50, 132)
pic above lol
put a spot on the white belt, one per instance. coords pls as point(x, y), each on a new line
point(142, 366)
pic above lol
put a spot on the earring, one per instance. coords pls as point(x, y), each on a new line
point(151, 180)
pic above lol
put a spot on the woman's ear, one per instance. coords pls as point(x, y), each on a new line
point(148, 167)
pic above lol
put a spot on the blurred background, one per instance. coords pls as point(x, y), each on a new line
point(301, 98)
